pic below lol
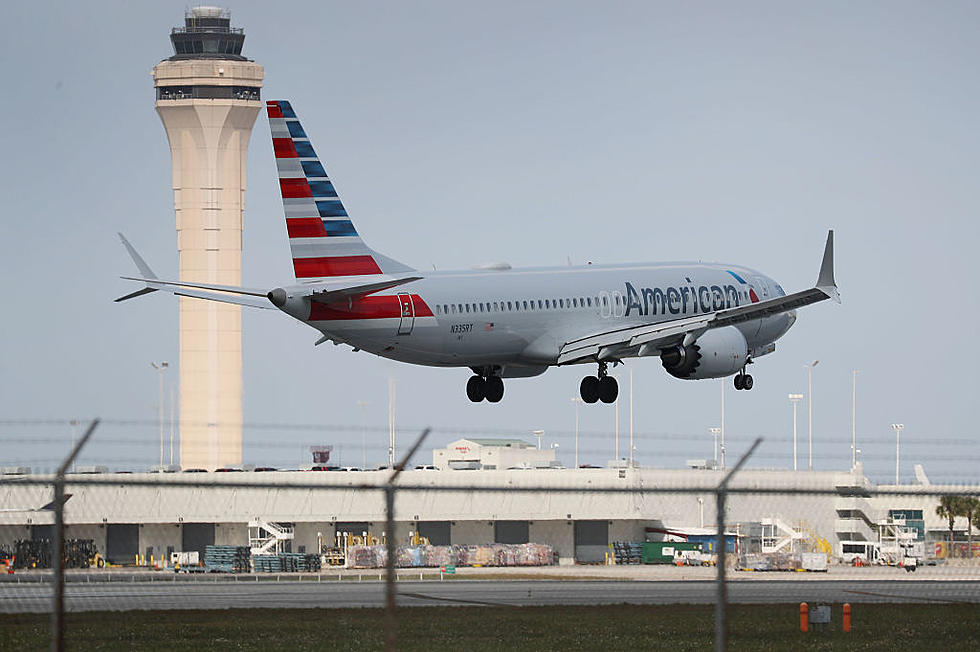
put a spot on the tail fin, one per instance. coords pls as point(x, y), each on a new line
point(322, 237)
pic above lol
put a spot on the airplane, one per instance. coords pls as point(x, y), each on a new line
point(702, 321)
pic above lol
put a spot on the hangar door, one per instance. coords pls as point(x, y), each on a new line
point(39, 532)
point(510, 532)
point(591, 541)
point(196, 536)
point(122, 542)
point(437, 532)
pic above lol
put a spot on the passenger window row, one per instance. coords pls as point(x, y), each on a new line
point(525, 305)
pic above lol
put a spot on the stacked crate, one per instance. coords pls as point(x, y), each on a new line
point(627, 553)
point(227, 559)
point(287, 562)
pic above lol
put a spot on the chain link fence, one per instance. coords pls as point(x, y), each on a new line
point(105, 542)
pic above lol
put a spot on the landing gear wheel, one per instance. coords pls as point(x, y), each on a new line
point(608, 389)
point(494, 389)
point(747, 382)
point(476, 389)
point(739, 382)
point(589, 389)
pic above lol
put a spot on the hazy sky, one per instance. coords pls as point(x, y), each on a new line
point(462, 133)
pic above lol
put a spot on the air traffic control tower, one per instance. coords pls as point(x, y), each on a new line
point(208, 96)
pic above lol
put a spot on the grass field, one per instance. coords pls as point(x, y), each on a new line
point(566, 629)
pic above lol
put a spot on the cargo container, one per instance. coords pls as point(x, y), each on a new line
point(665, 552)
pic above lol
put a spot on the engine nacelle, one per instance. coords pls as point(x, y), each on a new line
point(718, 353)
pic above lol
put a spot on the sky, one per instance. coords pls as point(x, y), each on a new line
point(533, 133)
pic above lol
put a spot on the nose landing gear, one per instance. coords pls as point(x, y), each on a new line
point(601, 387)
point(490, 388)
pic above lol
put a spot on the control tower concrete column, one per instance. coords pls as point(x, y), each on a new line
point(208, 96)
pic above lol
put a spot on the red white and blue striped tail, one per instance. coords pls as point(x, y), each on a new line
point(322, 238)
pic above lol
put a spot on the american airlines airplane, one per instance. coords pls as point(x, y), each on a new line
point(700, 320)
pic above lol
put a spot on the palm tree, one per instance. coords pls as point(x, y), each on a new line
point(948, 509)
point(970, 508)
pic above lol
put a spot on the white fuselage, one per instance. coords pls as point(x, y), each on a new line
point(516, 321)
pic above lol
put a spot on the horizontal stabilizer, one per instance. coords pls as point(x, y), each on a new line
point(331, 294)
point(133, 295)
point(212, 292)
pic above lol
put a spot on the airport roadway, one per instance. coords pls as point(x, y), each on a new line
point(122, 596)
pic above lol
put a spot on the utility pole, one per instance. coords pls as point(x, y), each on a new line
point(575, 401)
point(794, 398)
point(715, 432)
point(809, 403)
point(723, 423)
point(391, 423)
point(854, 385)
point(616, 405)
point(897, 427)
point(632, 447)
point(173, 405)
point(160, 369)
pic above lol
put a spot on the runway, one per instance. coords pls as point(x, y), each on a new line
point(125, 596)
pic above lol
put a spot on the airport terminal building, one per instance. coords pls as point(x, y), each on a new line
point(577, 511)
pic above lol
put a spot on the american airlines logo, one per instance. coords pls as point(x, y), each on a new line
point(676, 300)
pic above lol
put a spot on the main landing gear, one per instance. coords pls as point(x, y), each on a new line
point(601, 387)
point(743, 380)
point(485, 387)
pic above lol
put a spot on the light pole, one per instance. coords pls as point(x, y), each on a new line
point(73, 423)
point(173, 405)
point(538, 434)
point(897, 427)
point(809, 405)
point(715, 432)
point(363, 405)
point(616, 405)
point(576, 400)
point(391, 423)
point(795, 398)
point(854, 390)
point(632, 447)
point(160, 369)
point(723, 423)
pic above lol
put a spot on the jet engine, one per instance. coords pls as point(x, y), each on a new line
point(718, 353)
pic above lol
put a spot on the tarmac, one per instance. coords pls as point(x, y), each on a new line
point(122, 590)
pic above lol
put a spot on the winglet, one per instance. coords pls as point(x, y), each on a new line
point(825, 280)
point(141, 265)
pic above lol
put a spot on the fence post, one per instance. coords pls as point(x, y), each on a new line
point(721, 594)
point(721, 544)
point(58, 545)
point(391, 621)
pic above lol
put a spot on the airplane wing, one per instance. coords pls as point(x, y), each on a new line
point(323, 292)
point(606, 345)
